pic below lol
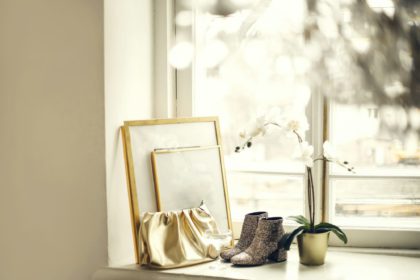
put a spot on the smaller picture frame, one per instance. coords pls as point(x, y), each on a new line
point(183, 177)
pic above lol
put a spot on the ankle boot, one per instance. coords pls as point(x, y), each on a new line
point(266, 244)
point(249, 228)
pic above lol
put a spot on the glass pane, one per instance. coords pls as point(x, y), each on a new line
point(271, 154)
point(235, 79)
point(389, 203)
point(278, 195)
point(357, 133)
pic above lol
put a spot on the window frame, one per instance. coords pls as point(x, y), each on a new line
point(179, 95)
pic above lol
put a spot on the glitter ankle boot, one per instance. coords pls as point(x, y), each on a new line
point(247, 234)
point(266, 244)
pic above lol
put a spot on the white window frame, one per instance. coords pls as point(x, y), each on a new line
point(173, 88)
point(164, 84)
point(174, 97)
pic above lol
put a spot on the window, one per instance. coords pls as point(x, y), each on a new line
point(385, 191)
point(382, 198)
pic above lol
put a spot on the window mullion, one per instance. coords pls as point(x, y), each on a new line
point(185, 85)
point(317, 135)
point(164, 74)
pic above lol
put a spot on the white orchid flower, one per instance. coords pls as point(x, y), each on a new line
point(330, 152)
point(256, 129)
point(260, 126)
point(304, 153)
point(296, 124)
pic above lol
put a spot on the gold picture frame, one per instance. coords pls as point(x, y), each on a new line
point(185, 176)
point(142, 137)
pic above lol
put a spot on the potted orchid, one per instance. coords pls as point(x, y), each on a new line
point(312, 238)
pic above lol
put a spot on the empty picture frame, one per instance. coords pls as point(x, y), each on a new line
point(141, 138)
point(184, 177)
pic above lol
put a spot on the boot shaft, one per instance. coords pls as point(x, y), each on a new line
point(249, 228)
point(270, 229)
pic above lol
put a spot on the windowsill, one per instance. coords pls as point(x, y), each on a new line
point(341, 263)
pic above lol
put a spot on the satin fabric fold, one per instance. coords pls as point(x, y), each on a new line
point(176, 238)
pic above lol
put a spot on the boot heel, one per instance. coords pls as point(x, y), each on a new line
point(279, 255)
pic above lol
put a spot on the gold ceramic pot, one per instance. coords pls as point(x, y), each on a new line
point(313, 247)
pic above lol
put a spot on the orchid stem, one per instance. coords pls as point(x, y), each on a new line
point(311, 191)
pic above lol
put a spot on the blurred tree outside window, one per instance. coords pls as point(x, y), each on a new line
point(278, 54)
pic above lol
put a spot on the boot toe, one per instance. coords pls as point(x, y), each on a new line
point(243, 259)
point(228, 254)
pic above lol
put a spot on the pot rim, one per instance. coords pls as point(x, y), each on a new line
point(315, 233)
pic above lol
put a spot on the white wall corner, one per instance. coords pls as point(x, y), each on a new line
point(129, 95)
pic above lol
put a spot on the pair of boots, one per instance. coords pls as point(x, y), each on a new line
point(259, 241)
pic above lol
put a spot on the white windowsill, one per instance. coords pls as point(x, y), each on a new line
point(341, 263)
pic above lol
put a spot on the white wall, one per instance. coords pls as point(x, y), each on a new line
point(52, 163)
point(128, 96)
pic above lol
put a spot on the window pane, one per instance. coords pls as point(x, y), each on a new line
point(235, 79)
point(388, 203)
point(278, 195)
point(358, 136)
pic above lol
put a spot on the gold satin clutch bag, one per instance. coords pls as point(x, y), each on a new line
point(176, 238)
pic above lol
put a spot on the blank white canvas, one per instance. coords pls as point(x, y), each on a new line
point(187, 177)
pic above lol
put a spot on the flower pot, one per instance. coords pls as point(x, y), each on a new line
point(313, 247)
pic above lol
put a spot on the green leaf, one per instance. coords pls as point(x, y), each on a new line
point(290, 236)
point(340, 235)
point(299, 219)
point(335, 229)
point(283, 240)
